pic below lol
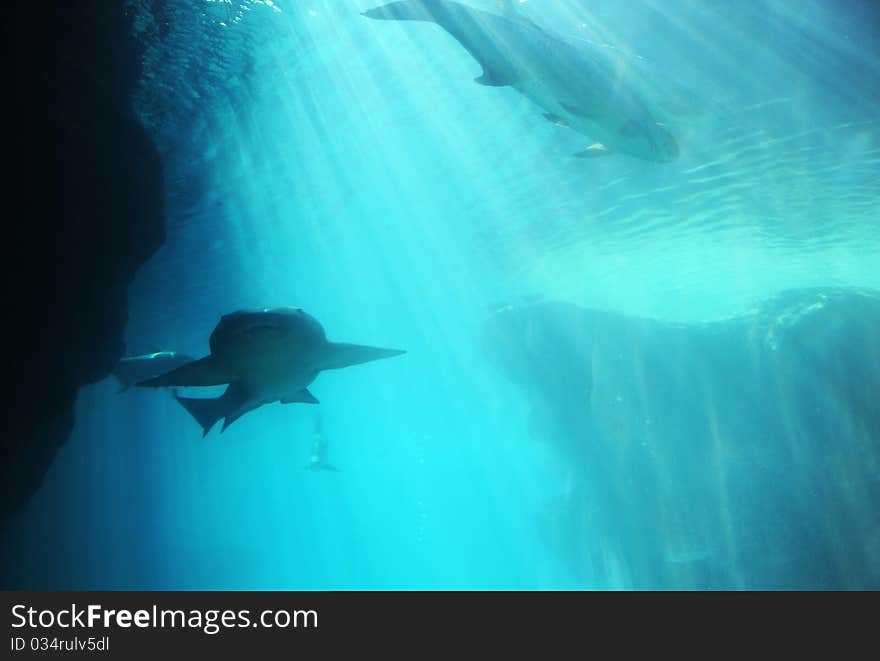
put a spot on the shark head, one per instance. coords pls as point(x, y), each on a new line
point(261, 329)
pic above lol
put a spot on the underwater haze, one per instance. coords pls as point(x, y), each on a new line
point(619, 373)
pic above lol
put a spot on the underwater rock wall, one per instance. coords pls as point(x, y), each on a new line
point(738, 453)
point(89, 210)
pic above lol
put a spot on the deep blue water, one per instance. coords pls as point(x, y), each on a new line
point(317, 159)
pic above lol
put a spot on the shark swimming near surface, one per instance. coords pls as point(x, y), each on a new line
point(577, 86)
point(264, 356)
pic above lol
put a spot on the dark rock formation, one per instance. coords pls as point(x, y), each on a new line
point(89, 211)
point(738, 453)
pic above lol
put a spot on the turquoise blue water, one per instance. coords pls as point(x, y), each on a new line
point(318, 159)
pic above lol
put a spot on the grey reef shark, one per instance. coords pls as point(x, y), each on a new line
point(265, 356)
point(578, 86)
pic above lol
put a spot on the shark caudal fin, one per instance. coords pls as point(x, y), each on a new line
point(207, 411)
point(409, 10)
point(340, 354)
point(203, 372)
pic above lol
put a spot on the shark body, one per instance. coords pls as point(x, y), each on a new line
point(269, 355)
point(580, 87)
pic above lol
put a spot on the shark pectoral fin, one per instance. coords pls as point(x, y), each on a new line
point(230, 406)
point(237, 401)
point(492, 79)
point(593, 151)
point(303, 396)
point(340, 354)
point(555, 119)
point(204, 372)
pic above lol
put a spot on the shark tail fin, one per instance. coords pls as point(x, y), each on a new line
point(341, 354)
point(206, 411)
point(238, 402)
point(228, 420)
point(409, 10)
